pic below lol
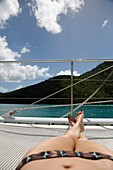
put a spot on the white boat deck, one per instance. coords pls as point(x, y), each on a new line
point(15, 140)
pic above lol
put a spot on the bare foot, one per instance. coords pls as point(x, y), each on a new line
point(77, 125)
point(71, 120)
point(79, 119)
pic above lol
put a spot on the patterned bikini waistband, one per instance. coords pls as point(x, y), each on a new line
point(56, 154)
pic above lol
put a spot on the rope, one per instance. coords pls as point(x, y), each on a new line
point(66, 105)
point(43, 107)
point(90, 95)
point(65, 88)
point(53, 106)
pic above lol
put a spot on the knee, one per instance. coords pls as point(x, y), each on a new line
point(69, 137)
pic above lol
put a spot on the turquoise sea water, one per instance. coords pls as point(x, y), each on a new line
point(91, 111)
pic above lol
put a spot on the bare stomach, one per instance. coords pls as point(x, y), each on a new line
point(69, 164)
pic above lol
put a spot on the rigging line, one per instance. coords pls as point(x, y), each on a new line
point(54, 106)
point(89, 96)
point(44, 107)
point(65, 105)
point(65, 88)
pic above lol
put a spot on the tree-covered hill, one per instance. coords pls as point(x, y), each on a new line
point(81, 90)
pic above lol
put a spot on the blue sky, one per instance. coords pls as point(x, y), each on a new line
point(47, 29)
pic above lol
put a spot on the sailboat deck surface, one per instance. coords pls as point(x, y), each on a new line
point(16, 140)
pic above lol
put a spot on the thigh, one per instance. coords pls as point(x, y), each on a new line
point(92, 146)
point(56, 143)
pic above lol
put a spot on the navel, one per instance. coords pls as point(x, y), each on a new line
point(67, 166)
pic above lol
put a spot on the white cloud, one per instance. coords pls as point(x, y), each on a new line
point(16, 72)
point(43, 71)
point(25, 50)
point(48, 12)
point(68, 72)
point(5, 52)
point(3, 90)
point(105, 22)
point(8, 8)
point(19, 87)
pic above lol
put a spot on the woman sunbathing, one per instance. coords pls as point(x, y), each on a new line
point(70, 151)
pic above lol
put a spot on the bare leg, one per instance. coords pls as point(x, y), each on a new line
point(65, 142)
point(84, 145)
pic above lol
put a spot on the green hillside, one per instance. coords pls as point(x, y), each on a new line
point(81, 90)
